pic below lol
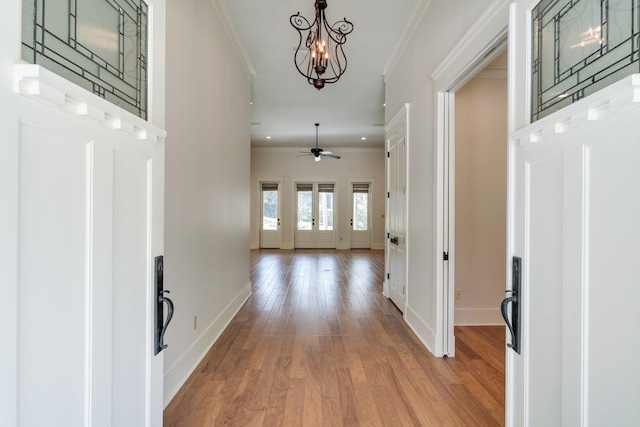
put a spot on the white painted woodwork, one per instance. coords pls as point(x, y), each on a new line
point(271, 238)
point(573, 209)
point(397, 150)
point(90, 211)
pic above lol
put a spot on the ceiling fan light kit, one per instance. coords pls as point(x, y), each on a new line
point(319, 153)
point(320, 56)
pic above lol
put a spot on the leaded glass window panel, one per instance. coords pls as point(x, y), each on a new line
point(100, 45)
point(580, 47)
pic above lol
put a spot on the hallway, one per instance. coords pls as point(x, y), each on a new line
point(317, 344)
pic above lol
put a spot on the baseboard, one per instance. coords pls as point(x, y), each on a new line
point(422, 330)
point(377, 246)
point(477, 317)
point(177, 375)
point(254, 245)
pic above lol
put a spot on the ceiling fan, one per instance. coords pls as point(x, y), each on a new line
point(319, 153)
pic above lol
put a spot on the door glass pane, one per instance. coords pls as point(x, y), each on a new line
point(100, 45)
point(325, 204)
point(304, 209)
point(580, 47)
point(360, 211)
point(270, 209)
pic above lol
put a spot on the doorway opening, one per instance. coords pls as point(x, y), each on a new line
point(478, 192)
point(471, 203)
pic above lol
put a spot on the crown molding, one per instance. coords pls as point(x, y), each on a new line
point(222, 8)
point(414, 18)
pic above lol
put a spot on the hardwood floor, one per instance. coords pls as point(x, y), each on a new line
point(317, 344)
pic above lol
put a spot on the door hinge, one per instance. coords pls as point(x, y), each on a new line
point(388, 194)
point(388, 276)
point(388, 154)
point(445, 256)
point(387, 235)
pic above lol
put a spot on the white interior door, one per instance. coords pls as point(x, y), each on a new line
point(397, 184)
point(574, 205)
point(91, 203)
point(270, 213)
point(360, 215)
point(315, 206)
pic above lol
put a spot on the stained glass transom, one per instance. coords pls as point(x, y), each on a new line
point(100, 45)
point(580, 47)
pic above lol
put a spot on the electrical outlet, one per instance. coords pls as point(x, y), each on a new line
point(195, 322)
point(458, 293)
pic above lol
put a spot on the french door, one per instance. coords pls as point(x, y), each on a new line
point(270, 230)
point(360, 215)
point(315, 214)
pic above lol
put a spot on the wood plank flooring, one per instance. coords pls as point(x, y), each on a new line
point(317, 344)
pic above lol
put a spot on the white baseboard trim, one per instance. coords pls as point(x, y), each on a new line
point(420, 328)
point(377, 246)
point(477, 317)
point(177, 375)
point(254, 245)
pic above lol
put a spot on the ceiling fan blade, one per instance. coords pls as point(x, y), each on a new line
point(303, 155)
point(329, 154)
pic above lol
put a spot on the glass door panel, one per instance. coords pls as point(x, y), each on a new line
point(270, 233)
point(361, 219)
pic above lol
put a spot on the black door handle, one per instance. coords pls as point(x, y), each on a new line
point(160, 300)
point(513, 321)
point(163, 299)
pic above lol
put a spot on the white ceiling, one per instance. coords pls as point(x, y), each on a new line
point(284, 106)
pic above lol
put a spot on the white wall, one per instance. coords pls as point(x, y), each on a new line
point(365, 165)
point(207, 184)
point(481, 195)
point(441, 27)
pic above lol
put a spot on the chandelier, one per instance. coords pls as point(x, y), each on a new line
point(319, 56)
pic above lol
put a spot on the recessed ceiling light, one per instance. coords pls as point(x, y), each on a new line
point(363, 138)
point(384, 105)
point(268, 137)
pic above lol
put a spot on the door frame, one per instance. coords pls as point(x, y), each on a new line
point(363, 180)
point(403, 114)
point(481, 44)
